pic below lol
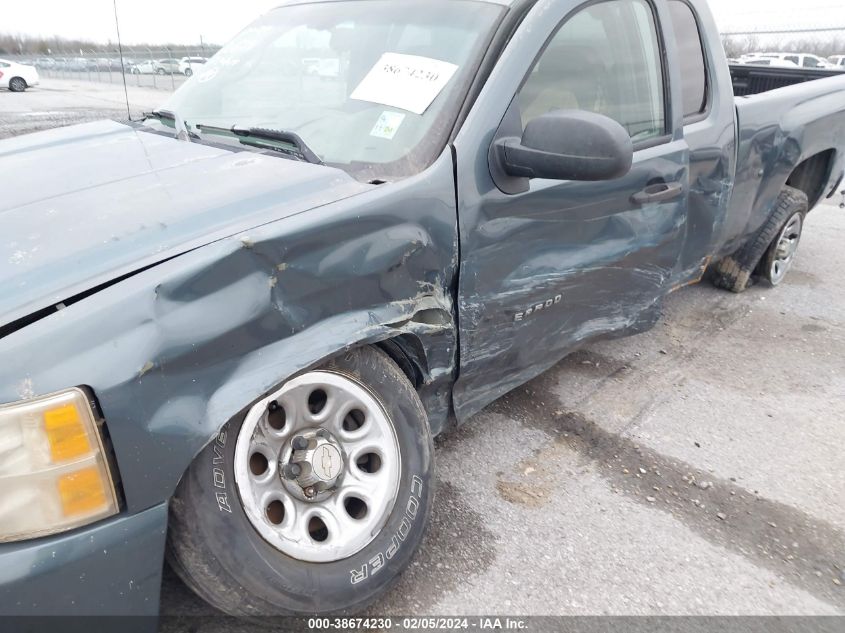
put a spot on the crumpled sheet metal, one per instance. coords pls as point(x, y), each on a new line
point(174, 352)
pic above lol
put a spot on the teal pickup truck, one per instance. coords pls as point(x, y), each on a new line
point(229, 331)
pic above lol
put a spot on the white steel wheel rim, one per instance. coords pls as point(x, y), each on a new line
point(786, 248)
point(273, 505)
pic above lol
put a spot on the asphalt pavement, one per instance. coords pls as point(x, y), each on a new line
point(697, 469)
point(57, 102)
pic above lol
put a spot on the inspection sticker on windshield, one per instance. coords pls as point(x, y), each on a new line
point(409, 82)
point(387, 125)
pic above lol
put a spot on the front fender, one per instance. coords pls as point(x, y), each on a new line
point(174, 352)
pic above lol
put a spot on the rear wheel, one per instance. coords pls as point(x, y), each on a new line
point(781, 254)
point(314, 501)
point(771, 252)
point(188, 72)
point(17, 84)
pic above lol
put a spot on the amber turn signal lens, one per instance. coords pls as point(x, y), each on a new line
point(66, 433)
point(83, 492)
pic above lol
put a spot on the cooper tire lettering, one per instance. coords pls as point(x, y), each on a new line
point(377, 562)
point(360, 574)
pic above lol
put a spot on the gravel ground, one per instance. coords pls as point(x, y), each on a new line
point(697, 469)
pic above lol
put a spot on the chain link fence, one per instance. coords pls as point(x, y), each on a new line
point(161, 68)
point(756, 26)
point(746, 29)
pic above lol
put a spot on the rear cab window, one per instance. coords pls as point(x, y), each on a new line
point(695, 84)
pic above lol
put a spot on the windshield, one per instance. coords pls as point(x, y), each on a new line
point(371, 86)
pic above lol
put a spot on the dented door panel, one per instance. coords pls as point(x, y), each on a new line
point(711, 139)
point(608, 259)
point(548, 270)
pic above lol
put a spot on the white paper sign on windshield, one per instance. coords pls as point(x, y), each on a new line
point(409, 82)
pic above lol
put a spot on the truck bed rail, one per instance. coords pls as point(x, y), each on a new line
point(752, 80)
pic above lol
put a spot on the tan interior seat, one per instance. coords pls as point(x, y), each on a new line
point(567, 77)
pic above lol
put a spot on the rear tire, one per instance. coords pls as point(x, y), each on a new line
point(188, 72)
point(17, 84)
point(219, 543)
point(737, 272)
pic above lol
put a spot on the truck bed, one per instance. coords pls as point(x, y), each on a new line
point(787, 135)
point(752, 80)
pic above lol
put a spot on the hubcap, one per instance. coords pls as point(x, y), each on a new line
point(317, 467)
point(787, 245)
point(312, 464)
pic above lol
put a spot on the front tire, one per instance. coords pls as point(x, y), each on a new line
point(188, 72)
point(17, 84)
point(254, 536)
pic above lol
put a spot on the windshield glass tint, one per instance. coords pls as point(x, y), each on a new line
point(299, 67)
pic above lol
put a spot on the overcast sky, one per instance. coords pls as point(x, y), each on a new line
point(184, 21)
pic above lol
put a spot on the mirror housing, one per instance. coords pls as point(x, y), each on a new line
point(568, 145)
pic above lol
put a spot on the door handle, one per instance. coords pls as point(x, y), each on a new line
point(660, 192)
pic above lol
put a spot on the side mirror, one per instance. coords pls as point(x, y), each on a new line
point(568, 145)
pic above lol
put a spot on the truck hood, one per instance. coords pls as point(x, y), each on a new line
point(88, 204)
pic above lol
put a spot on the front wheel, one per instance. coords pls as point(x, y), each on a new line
point(315, 501)
point(188, 72)
point(160, 71)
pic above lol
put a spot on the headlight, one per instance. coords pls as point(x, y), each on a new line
point(54, 475)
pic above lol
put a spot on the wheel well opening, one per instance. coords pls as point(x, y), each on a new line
point(409, 355)
point(812, 175)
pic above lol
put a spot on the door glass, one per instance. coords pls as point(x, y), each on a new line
point(811, 62)
point(793, 59)
point(691, 56)
point(606, 59)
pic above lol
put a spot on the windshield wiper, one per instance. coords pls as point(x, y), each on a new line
point(182, 132)
point(289, 143)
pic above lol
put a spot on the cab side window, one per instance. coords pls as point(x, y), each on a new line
point(605, 59)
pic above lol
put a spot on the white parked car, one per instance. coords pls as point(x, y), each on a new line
point(802, 60)
point(188, 64)
point(148, 67)
point(17, 77)
point(768, 61)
